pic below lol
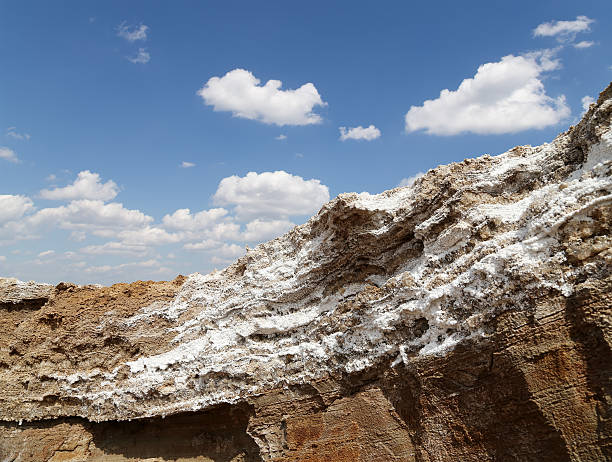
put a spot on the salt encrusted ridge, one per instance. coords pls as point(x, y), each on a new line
point(369, 280)
point(15, 291)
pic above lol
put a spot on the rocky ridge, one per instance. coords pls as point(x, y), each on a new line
point(465, 317)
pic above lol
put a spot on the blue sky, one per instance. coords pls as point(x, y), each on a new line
point(110, 122)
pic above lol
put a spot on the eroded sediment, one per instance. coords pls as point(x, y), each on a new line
point(466, 317)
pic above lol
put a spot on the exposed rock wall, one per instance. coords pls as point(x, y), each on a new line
point(466, 317)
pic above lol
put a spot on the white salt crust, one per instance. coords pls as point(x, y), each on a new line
point(237, 336)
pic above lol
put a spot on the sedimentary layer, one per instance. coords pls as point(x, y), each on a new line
point(465, 317)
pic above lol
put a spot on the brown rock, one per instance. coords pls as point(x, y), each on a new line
point(466, 317)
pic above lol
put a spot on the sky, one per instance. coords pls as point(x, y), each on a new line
point(147, 139)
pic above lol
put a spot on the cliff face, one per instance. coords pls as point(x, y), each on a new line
point(466, 317)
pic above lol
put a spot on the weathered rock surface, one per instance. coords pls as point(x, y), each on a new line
point(466, 317)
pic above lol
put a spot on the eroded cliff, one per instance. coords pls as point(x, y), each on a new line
point(466, 317)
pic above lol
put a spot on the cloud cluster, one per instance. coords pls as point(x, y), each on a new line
point(258, 207)
point(503, 97)
point(134, 34)
point(359, 133)
point(240, 93)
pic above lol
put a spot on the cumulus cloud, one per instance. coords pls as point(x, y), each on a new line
point(410, 180)
point(584, 44)
point(142, 57)
point(14, 207)
point(240, 93)
point(86, 186)
point(271, 194)
point(90, 215)
point(359, 133)
point(563, 30)
point(185, 164)
point(260, 205)
point(263, 230)
point(46, 253)
point(11, 132)
point(8, 154)
point(507, 96)
point(132, 33)
point(184, 220)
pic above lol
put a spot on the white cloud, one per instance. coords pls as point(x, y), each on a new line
point(184, 220)
point(11, 132)
point(14, 207)
point(220, 249)
point(271, 194)
point(359, 133)
point(281, 137)
point(86, 186)
point(51, 177)
point(410, 180)
point(114, 248)
point(149, 235)
point(239, 92)
point(142, 57)
point(154, 264)
point(563, 30)
point(132, 33)
point(2, 258)
point(206, 244)
point(8, 154)
point(90, 215)
point(586, 102)
point(46, 253)
point(185, 164)
point(230, 251)
point(263, 230)
point(503, 97)
point(584, 44)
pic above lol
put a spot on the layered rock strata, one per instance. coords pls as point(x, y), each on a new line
point(466, 317)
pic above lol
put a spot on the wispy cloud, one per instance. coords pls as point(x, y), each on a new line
point(564, 31)
point(584, 44)
point(185, 164)
point(281, 137)
point(132, 33)
point(11, 132)
point(142, 57)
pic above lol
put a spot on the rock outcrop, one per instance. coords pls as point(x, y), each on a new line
point(466, 317)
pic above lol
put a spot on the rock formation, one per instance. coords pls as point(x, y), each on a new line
point(464, 318)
